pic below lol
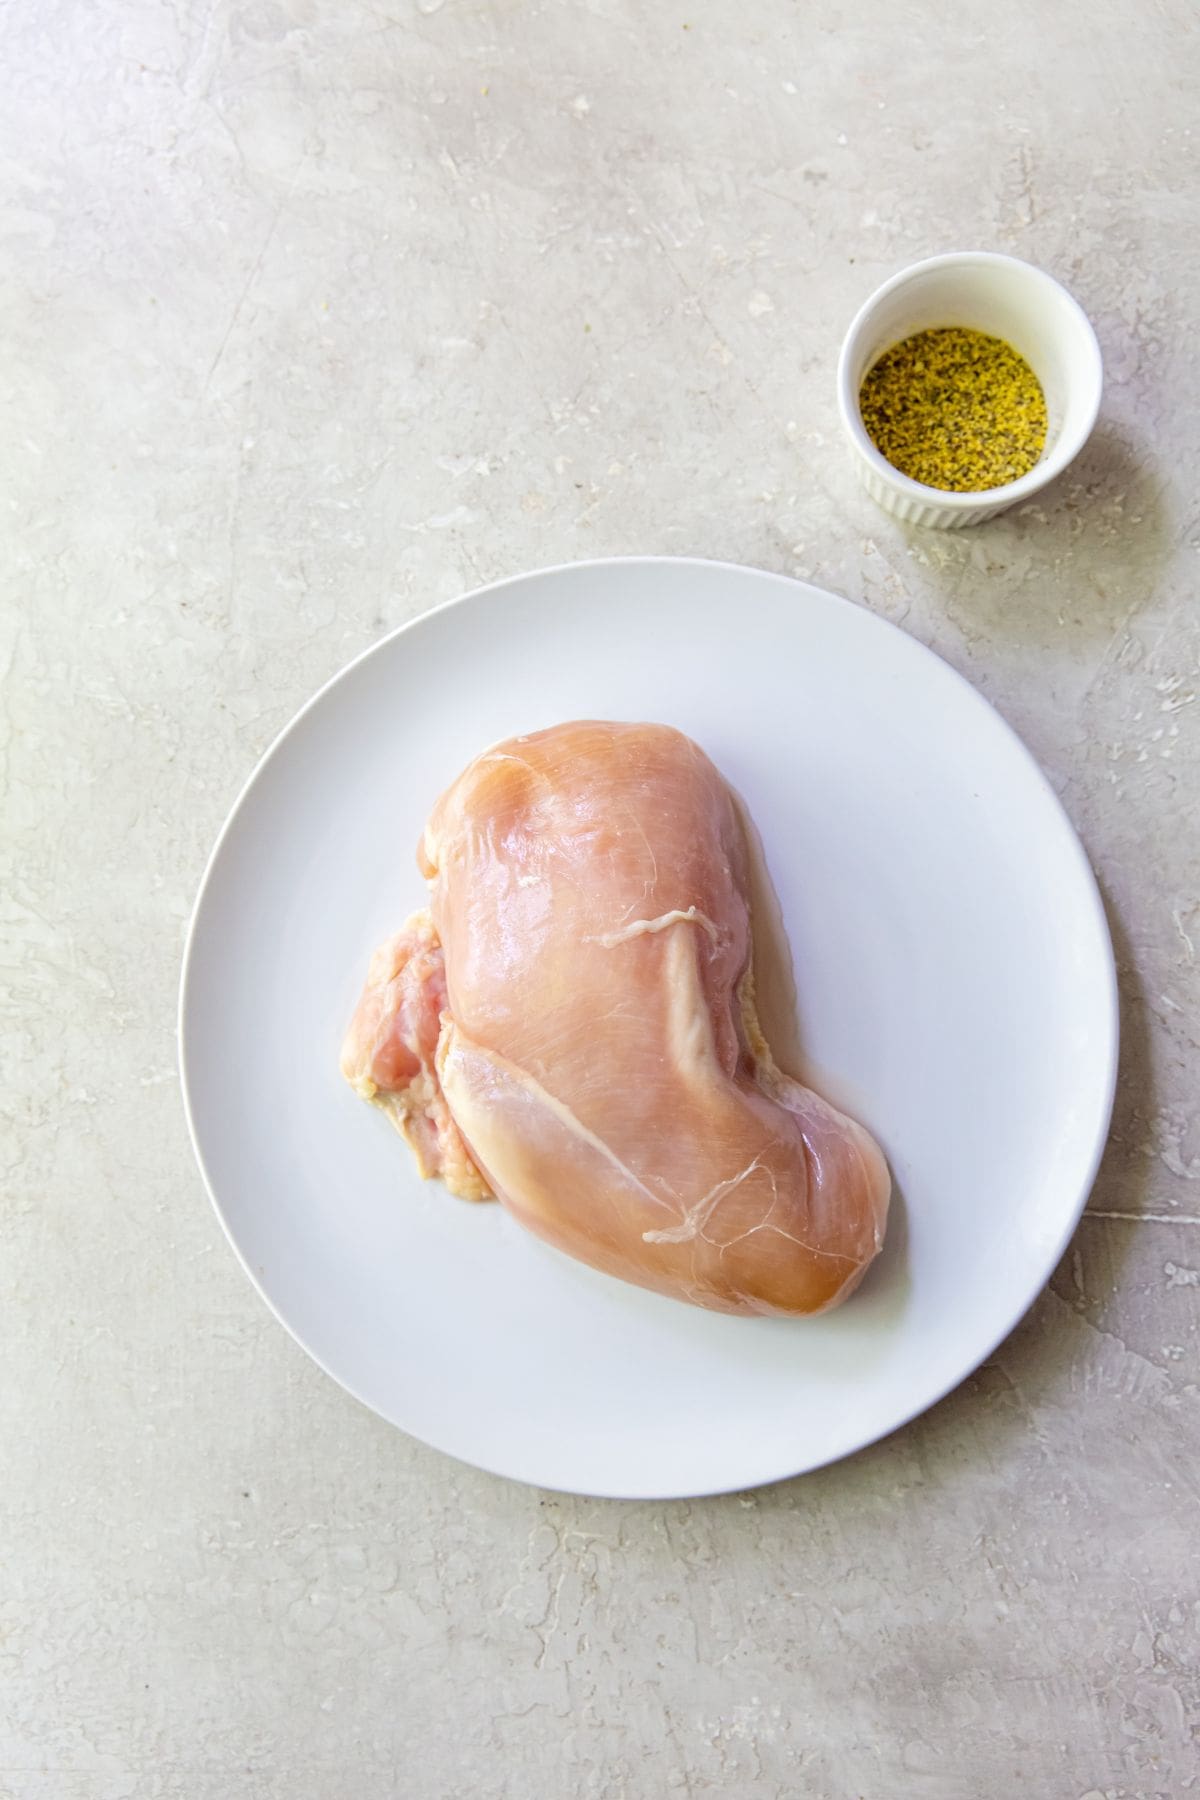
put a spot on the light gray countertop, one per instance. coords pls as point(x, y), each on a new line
point(313, 316)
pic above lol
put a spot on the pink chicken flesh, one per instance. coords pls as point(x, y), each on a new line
point(571, 1027)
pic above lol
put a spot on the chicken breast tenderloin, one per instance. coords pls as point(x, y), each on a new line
point(572, 1026)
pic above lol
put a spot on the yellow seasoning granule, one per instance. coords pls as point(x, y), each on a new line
point(955, 409)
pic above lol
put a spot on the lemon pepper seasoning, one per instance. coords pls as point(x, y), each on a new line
point(955, 409)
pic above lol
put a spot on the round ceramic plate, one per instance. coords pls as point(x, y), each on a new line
point(955, 983)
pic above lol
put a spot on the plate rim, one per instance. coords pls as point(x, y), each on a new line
point(1089, 887)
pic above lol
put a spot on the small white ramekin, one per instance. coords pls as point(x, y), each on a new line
point(1008, 299)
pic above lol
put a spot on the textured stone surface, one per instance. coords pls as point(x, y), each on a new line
point(313, 315)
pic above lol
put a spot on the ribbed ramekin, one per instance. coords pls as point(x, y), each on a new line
point(1008, 299)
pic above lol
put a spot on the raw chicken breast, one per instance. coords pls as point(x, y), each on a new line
point(572, 1026)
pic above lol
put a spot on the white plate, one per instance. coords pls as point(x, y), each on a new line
point(955, 978)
